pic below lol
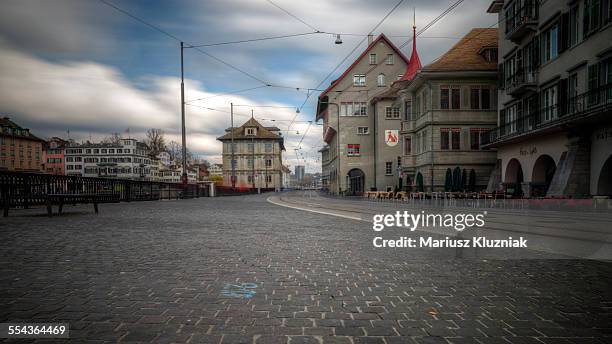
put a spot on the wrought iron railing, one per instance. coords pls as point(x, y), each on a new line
point(599, 99)
point(520, 15)
point(20, 189)
point(522, 77)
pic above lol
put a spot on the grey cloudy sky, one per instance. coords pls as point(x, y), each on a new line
point(83, 66)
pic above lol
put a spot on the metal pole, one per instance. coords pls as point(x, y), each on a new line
point(253, 155)
point(233, 177)
point(184, 151)
point(338, 144)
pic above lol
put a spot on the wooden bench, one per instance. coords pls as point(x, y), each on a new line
point(61, 199)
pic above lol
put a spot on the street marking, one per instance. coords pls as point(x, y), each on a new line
point(244, 290)
point(269, 199)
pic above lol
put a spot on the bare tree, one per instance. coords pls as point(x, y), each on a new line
point(114, 139)
point(155, 141)
point(174, 150)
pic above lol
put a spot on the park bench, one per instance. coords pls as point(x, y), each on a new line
point(67, 198)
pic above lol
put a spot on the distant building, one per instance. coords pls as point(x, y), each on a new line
point(19, 149)
point(172, 174)
point(257, 152)
point(299, 173)
point(286, 183)
point(53, 156)
point(554, 130)
point(215, 170)
point(128, 159)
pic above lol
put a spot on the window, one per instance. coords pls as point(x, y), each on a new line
point(111, 151)
point(353, 109)
point(593, 84)
point(389, 59)
point(456, 138)
point(550, 41)
point(574, 26)
point(480, 98)
point(510, 117)
point(363, 130)
point(392, 112)
point(250, 178)
point(353, 150)
point(407, 110)
point(444, 138)
point(490, 54)
point(268, 179)
point(250, 163)
point(475, 134)
point(456, 98)
point(591, 16)
point(407, 145)
point(608, 73)
point(454, 102)
point(359, 80)
point(268, 162)
point(572, 84)
point(250, 131)
point(372, 59)
point(380, 81)
point(251, 147)
point(549, 103)
point(268, 148)
point(389, 168)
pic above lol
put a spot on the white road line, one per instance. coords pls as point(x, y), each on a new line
point(269, 199)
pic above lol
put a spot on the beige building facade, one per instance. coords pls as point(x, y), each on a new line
point(554, 130)
point(355, 122)
point(446, 107)
point(257, 156)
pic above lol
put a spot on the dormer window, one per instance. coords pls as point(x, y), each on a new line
point(250, 131)
point(489, 54)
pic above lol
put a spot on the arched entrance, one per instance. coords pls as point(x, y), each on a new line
point(513, 178)
point(420, 185)
point(356, 180)
point(543, 172)
point(604, 183)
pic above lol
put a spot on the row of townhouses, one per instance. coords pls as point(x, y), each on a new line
point(526, 107)
point(22, 151)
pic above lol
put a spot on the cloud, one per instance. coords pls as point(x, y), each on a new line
point(92, 100)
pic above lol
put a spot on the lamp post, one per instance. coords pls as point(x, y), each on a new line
point(184, 150)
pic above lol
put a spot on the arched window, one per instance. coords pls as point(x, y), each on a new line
point(381, 79)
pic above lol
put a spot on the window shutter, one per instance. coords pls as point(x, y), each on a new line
point(563, 37)
point(500, 76)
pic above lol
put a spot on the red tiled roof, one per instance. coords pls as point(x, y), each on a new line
point(465, 55)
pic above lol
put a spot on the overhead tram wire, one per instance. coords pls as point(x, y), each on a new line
point(257, 39)
point(350, 53)
point(188, 45)
point(227, 93)
point(294, 16)
point(433, 22)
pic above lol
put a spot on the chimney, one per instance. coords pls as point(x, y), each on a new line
point(370, 38)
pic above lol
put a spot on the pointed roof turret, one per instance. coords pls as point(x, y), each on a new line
point(415, 62)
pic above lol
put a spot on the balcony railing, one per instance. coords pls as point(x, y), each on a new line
point(597, 100)
point(521, 81)
point(518, 19)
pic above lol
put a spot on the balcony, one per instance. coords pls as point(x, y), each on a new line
point(522, 82)
point(594, 105)
point(521, 20)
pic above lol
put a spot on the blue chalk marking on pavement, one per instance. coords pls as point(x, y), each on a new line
point(243, 290)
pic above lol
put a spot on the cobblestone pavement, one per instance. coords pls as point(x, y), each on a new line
point(242, 270)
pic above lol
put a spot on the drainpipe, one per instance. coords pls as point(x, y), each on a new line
point(375, 132)
point(432, 133)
